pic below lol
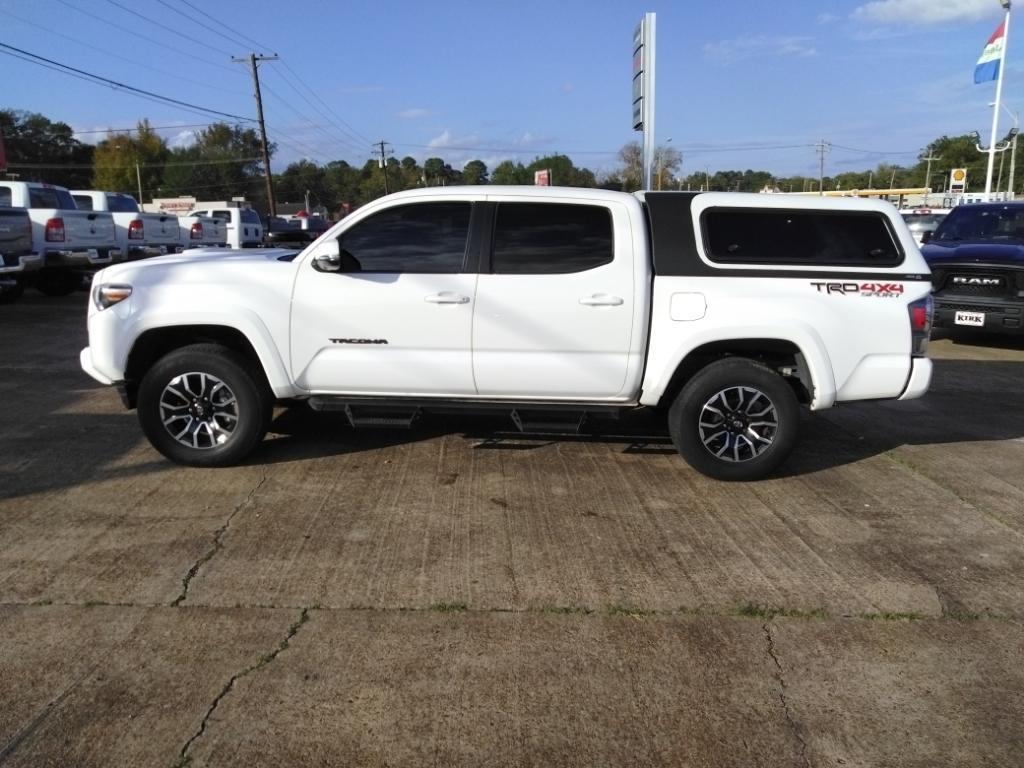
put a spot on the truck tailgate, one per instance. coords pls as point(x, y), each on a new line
point(88, 229)
point(15, 231)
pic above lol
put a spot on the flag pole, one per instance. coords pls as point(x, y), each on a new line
point(999, 94)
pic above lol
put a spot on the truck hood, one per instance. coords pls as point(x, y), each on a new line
point(199, 265)
point(966, 253)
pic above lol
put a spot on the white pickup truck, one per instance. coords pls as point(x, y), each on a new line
point(17, 259)
point(726, 311)
point(139, 235)
point(71, 242)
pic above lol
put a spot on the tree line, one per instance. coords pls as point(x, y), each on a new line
point(224, 161)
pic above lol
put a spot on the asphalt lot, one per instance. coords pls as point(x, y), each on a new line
point(455, 595)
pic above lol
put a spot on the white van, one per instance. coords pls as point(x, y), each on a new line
point(245, 230)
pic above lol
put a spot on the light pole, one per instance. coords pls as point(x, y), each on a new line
point(661, 160)
point(1013, 144)
point(999, 92)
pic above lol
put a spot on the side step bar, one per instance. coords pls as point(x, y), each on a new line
point(532, 417)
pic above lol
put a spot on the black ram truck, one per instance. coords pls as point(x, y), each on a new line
point(977, 260)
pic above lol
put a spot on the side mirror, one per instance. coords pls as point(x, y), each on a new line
point(926, 237)
point(329, 257)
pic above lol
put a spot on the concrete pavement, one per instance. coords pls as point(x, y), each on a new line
point(456, 595)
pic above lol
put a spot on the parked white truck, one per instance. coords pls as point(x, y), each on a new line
point(71, 242)
point(18, 262)
point(139, 235)
point(727, 311)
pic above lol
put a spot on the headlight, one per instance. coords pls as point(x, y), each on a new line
point(108, 294)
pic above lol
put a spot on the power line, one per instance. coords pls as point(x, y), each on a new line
point(160, 25)
point(188, 164)
point(152, 128)
point(203, 13)
point(352, 139)
point(316, 96)
point(136, 34)
point(107, 52)
point(122, 86)
point(331, 137)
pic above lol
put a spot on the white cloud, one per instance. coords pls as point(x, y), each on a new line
point(182, 139)
point(727, 51)
point(412, 113)
point(446, 139)
point(924, 12)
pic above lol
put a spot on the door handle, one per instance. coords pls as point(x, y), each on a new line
point(447, 297)
point(601, 300)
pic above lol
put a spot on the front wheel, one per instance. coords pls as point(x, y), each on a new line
point(735, 420)
point(204, 406)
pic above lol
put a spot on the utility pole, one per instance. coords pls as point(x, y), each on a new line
point(138, 178)
point(928, 172)
point(253, 60)
point(821, 148)
point(384, 162)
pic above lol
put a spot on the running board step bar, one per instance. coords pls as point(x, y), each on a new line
point(546, 422)
point(364, 416)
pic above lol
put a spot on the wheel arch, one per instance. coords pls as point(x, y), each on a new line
point(155, 343)
point(781, 355)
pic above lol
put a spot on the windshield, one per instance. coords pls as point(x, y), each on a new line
point(923, 220)
point(984, 223)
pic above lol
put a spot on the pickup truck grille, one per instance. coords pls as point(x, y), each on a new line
point(980, 282)
point(955, 306)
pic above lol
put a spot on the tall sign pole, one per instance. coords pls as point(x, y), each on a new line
point(999, 94)
point(643, 91)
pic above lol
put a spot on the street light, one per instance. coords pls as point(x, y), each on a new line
point(661, 161)
point(1013, 145)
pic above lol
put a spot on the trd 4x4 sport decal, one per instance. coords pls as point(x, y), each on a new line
point(861, 289)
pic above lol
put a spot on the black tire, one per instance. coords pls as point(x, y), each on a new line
point(204, 406)
point(10, 294)
point(750, 422)
point(57, 282)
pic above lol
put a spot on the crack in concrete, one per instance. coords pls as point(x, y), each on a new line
point(782, 694)
point(184, 758)
point(217, 545)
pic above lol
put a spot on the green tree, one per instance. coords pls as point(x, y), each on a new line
point(39, 149)
point(563, 172)
point(474, 172)
point(224, 162)
point(122, 162)
point(508, 172)
point(299, 178)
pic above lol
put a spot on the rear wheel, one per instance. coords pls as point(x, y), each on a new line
point(10, 293)
point(57, 282)
point(735, 420)
point(204, 405)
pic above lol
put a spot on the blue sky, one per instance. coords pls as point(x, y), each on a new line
point(746, 84)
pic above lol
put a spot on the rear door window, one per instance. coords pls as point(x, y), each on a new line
point(84, 202)
point(799, 237)
point(551, 238)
